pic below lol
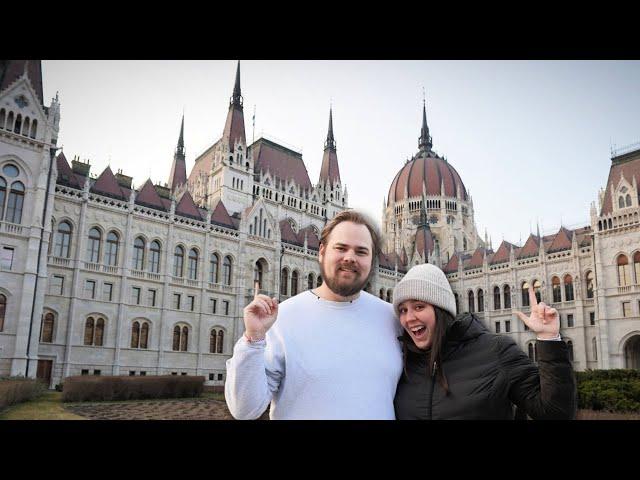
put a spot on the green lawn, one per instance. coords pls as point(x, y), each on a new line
point(48, 406)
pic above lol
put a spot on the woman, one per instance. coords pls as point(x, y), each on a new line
point(454, 368)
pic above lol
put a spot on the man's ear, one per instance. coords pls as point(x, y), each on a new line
point(321, 252)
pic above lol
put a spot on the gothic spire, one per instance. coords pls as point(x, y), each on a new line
point(178, 175)
point(236, 98)
point(330, 142)
point(234, 126)
point(180, 147)
point(330, 171)
point(424, 142)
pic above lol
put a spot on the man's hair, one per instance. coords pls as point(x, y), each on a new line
point(358, 218)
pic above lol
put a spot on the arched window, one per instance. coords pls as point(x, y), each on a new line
point(214, 262)
point(63, 240)
point(138, 253)
point(525, 294)
point(557, 290)
point(94, 331)
point(3, 117)
point(310, 281)
point(226, 270)
point(636, 267)
point(176, 338)
point(144, 335)
point(620, 202)
point(178, 261)
point(18, 124)
point(9, 124)
point(154, 257)
point(99, 332)
point(496, 298)
point(14, 205)
point(3, 310)
point(507, 296)
point(3, 194)
point(294, 283)
point(25, 127)
point(139, 334)
point(594, 347)
point(628, 200)
point(570, 348)
point(382, 293)
point(258, 272)
point(34, 129)
point(624, 278)
point(480, 300)
point(589, 278)
point(93, 245)
point(212, 341)
point(46, 333)
point(568, 288)
point(536, 290)
point(219, 348)
point(111, 252)
point(471, 301)
point(192, 267)
point(389, 296)
point(135, 335)
point(284, 281)
point(184, 339)
point(319, 281)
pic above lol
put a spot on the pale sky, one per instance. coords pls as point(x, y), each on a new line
point(531, 140)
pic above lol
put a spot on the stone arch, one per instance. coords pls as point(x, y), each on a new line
point(629, 347)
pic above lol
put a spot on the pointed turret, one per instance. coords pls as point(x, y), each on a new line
point(330, 172)
point(424, 142)
point(234, 126)
point(178, 175)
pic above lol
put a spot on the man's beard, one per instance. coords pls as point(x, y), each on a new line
point(341, 288)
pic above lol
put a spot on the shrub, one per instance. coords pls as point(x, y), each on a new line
point(18, 389)
point(85, 388)
point(613, 390)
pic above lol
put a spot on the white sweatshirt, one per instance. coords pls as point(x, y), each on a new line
point(320, 360)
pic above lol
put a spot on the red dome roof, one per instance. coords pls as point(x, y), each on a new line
point(427, 169)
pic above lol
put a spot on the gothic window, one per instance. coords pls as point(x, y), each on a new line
point(525, 294)
point(63, 240)
point(34, 129)
point(93, 246)
point(14, 205)
point(628, 200)
point(111, 252)
point(213, 338)
point(139, 334)
point(258, 272)
point(3, 194)
point(184, 339)
point(9, 125)
point(99, 335)
point(220, 342)
point(176, 339)
point(294, 283)
point(138, 253)
point(589, 278)
point(568, 288)
point(389, 296)
point(18, 124)
point(94, 331)
point(144, 335)
point(624, 278)
point(178, 261)
point(25, 127)
point(310, 281)
point(214, 262)
point(636, 267)
point(154, 257)
point(536, 290)
point(46, 334)
point(471, 301)
point(555, 285)
point(3, 117)
point(594, 346)
point(180, 338)
point(226, 270)
point(464, 244)
point(192, 267)
point(382, 293)
point(621, 202)
point(135, 335)
point(480, 300)
point(3, 310)
point(284, 281)
point(496, 298)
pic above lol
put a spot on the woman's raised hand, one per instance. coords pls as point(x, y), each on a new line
point(543, 320)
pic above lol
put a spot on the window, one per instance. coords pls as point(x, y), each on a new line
point(213, 303)
point(84, 372)
point(220, 376)
point(107, 291)
point(178, 261)
point(192, 266)
point(570, 320)
point(592, 318)
point(151, 297)
point(176, 301)
point(471, 301)
point(93, 246)
point(536, 290)
point(636, 267)
point(94, 331)
point(46, 333)
point(496, 298)
point(191, 301)
point(570, 348)
point(180, 338)
point(258, 272)
point(589, 278)
point(14, 205)
point(557, 291)
point(626, 309)
point(154, 257)
point(143, 373)
point(135, 295)
point(89, 289)
point(225, 304)
point(132, 373)
point(216, 340)
point(525, 294)
point(56, 287)
point(480, 300)
point(7, 258)
point(568, 288)
point(594, 347)
point(97, 372)
point(507, 296)
point(111, 252)
point(497, 327)
point(294, 283)
point(284, 281)
point(507, 326)
point(139, 334)
point(138, 254)
point(214, 262)
point(310, 282)
point(226, 270)
point(389, 296)
point(624, 278)
point(63, 240)
point(211, 377)
point(3, 193)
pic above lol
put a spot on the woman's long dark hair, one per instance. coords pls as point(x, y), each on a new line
point(434, 353)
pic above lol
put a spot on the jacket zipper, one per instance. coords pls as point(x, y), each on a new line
point(433, 384)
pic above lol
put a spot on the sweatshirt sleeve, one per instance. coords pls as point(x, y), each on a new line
point(254, 373)
point(546, 391)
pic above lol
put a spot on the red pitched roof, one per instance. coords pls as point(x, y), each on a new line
point(503, 253)
point(627, 165)
point(330, 170)
point(288, 235)
point(221, 217)
point(203, 163)
point(477, 259)
point(424, 241)
point(234, 126)
point(107, 185)
point(452, 264)
point(531, 247)
point(282, 162)
point(65, 174)
point(11, 70)
point(312, 240)
point(148, 197)
point(178, 175)
point(561, 241)
point(187, 207)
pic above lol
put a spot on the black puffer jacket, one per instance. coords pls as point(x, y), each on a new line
point(487, 374)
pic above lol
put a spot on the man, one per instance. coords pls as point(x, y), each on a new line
point(333, 352)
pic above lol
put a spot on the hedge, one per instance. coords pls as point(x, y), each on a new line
point(612, 390)
point(18, 389)
point(86, 388)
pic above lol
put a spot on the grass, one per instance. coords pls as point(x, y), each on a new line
point(48, 406)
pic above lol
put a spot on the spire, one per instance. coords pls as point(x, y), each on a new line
point(236, 98)
point(180, 147)
point(234, 126)
point(178, 175)
point(330, 143)
point(329, 171)
point(424, 142)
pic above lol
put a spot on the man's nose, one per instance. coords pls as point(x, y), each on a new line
point(349, 256)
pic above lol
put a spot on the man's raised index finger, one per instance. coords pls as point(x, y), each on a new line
point(256, 289)
point(532, 297)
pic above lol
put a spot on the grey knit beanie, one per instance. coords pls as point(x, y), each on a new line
point(428, 283)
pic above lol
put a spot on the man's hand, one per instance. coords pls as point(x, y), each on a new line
point(544, 320)
point(260, 315)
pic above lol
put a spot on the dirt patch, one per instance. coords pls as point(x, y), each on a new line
point(602, 415)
